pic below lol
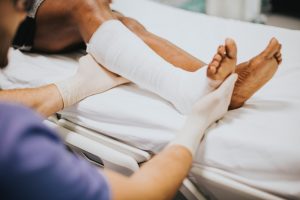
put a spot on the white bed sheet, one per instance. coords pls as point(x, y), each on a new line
point(258, 145)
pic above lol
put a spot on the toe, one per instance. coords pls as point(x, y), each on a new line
point(218, 58)
point(231, 49)
point(279, 50)
point(211, 71)
point(272, 48)
point(277, 56)
point(222, 51)
point(279, 59)
point(216, 64)
point(280, 47)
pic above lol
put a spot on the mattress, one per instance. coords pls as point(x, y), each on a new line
point(257, 145)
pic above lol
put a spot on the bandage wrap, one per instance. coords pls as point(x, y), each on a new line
point(122, 52)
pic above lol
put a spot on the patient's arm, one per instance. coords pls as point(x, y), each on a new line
point(46, 100)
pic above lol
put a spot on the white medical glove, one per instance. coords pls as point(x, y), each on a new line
point(90, 78)
point(206, 111)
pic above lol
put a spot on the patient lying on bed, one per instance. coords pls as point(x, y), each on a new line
point(253, 74)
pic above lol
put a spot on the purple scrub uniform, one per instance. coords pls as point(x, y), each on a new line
point(34, 163)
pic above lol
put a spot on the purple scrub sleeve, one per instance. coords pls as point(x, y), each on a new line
point(34, 163)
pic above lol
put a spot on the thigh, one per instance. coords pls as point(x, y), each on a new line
point(55, 31)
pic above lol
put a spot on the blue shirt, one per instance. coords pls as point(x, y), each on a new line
point(35, 165)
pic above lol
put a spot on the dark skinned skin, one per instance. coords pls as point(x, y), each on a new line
point(73, 30)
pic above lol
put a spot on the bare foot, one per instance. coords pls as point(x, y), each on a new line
point(224, 62)
point(256, 73)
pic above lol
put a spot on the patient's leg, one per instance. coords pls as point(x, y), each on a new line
point(124, 53)
point(253, 74)
point(67, 35)
point(167, 50)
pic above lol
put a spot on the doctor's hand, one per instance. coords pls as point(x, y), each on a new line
point(215, 105)
point(206, 111)
point(90, 79)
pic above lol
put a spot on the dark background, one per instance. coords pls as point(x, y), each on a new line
point(286, 7)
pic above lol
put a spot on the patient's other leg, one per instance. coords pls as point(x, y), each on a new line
point(167, 50)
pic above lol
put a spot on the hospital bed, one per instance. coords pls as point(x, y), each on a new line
point(252, 153)
point(105, 152)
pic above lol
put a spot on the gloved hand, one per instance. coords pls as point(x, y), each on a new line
point(90, 78)
point(206, 111)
